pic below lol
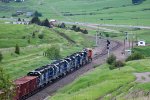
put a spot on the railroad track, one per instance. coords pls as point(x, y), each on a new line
point(59, 83)
point(104, 51)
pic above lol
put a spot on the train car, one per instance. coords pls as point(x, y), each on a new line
point(90, 54)
point(59, 66)
point(25, 86)
point(79, 61)
point(55, 72)
point(51, 72)
point(69, 64)
point(41, 73)
point(39, 77)
point(85, 56)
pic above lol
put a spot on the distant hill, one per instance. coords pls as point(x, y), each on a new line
point(95, 11)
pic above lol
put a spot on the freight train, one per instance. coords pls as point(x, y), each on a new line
point(41, 77)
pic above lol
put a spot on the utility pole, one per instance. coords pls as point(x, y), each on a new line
point(126, 39)
point(96, 39)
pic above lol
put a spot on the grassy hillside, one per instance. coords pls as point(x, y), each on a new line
point(106, 84)
point(96, 11)
point(31, 53)
point(143, 50)
point(10, 35)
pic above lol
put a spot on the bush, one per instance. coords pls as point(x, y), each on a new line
point(53, 52)
point(46, 23)
point(1, 57)
point(62, 25)
point(35, 20)
point(41, 36)
point(84, 31)
point(17, 49)
point(135, 56)
point(116, 64)
point(6, 86)
point(111, 59)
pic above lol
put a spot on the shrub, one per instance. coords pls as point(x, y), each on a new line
point(85, 31)
point(41, 36)
point(62, 25)
point(1, 57)
point(74, 27)
point(111, 59)
point(35, 20)
point(135, 56)
point(116, 64)
point(46, 23)
point(53, 52)
point(6, 86)
point(17, 49)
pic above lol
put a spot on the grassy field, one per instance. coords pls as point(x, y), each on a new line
point(31, 53)
point(143, 50)
point(95, 11)
point(105, 84)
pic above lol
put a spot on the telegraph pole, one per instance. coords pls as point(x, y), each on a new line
point(96, 39)
point(126, 39)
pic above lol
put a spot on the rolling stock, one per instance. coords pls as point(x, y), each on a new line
point(42, 76)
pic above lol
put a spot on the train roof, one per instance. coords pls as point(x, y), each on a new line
point(24, 79)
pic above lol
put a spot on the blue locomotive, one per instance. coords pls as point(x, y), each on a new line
point(60, 68)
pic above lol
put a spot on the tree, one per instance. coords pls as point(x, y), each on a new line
point(85, 31)
point(17, 49)
point(19, 19)
point(35, 20)
point(33, 35)
point(37, 14)
point(46, 23)
point(107, 35)
point(6, 86)
point(62, 25)
point(1, 56)
point(53, 52)
point(41, 36)
point(78, 29)
point(74, 27)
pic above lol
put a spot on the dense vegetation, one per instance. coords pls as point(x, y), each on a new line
point(6, 85)
point(143, 50)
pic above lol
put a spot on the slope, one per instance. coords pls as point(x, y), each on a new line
point(33, 40)
point(95, 11)
point(105, 84)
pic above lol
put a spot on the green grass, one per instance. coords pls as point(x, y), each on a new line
point(143, 50)
point(31, 54)
point(105, 83)
point(11, 35)
point(120, 12)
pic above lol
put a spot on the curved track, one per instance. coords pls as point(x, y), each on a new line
point(53, 87)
